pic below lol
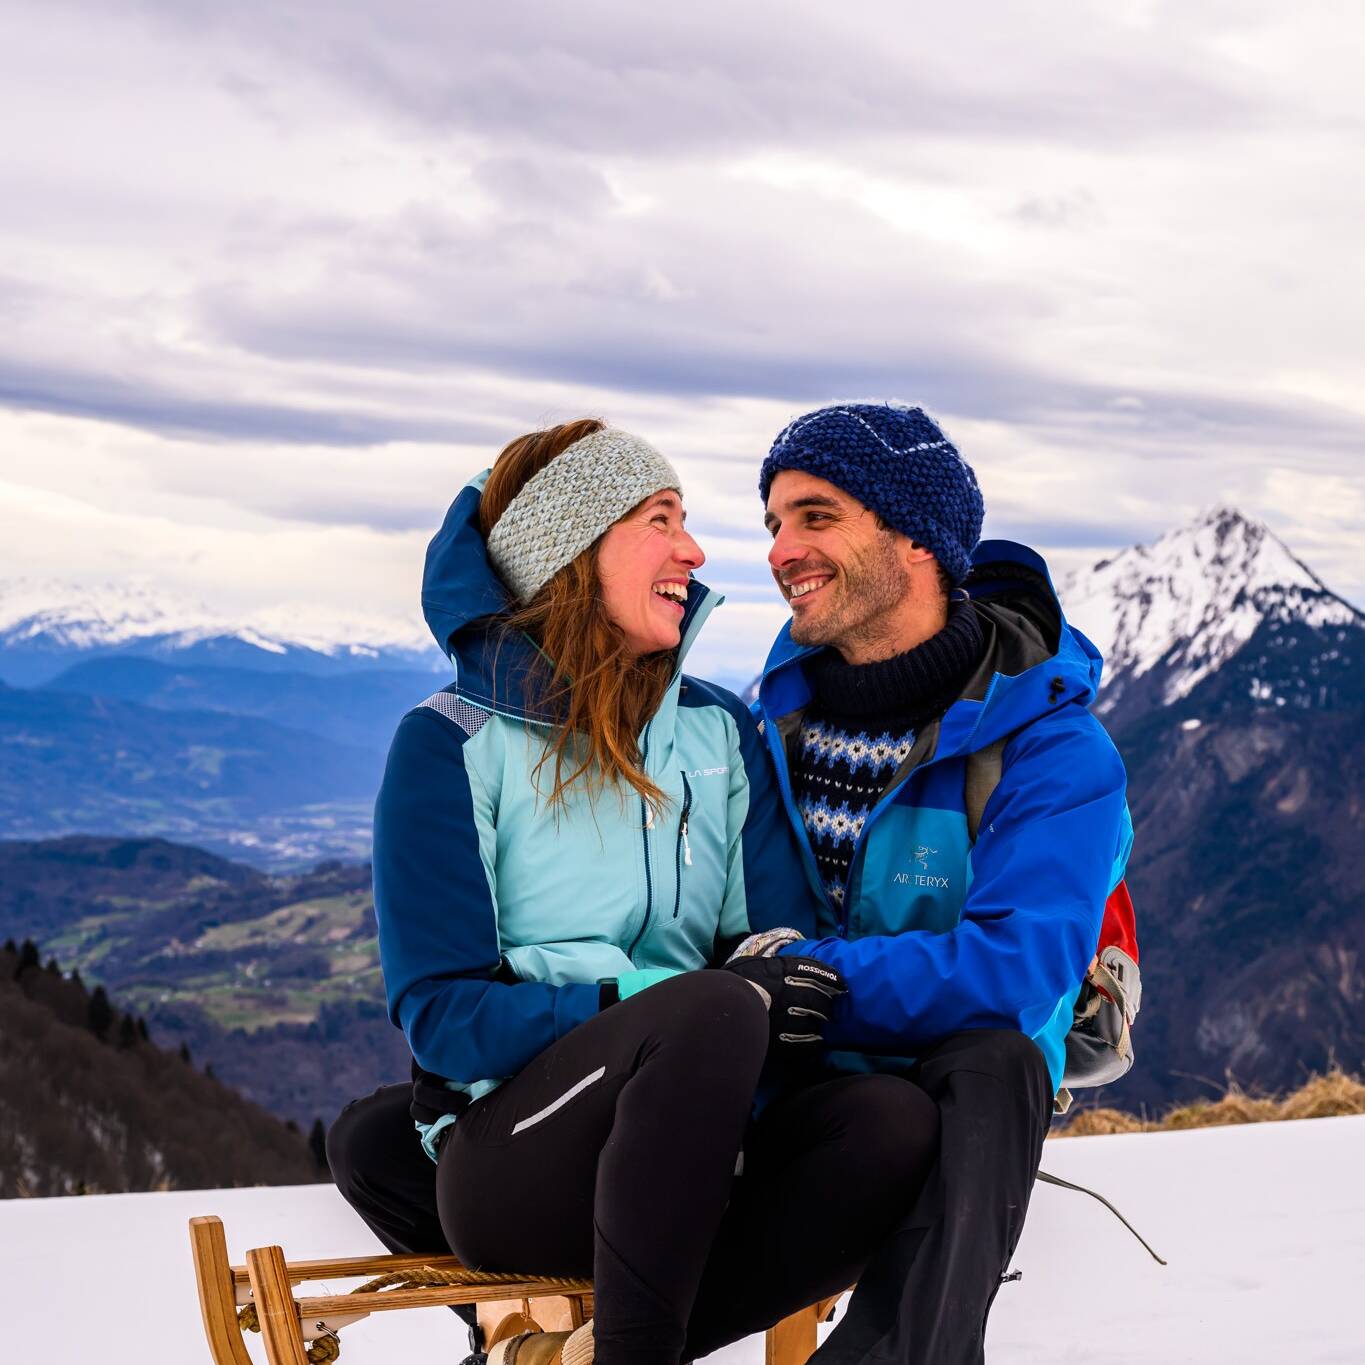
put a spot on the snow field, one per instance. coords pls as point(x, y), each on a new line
point(1264, 1228)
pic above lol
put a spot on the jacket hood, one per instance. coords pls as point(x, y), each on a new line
point(462, 597)
point(1033, 660)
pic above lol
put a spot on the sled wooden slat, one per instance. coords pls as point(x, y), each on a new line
point(287, 1323)
point(354, 1267)
point(792, 1339)
point(279, 1318)
point(442, 1296)
point(217, 1298)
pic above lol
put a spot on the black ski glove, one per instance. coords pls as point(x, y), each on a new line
point(800, 994)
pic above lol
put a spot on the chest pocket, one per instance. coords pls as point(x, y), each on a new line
point(914, 872)
point(699, 831)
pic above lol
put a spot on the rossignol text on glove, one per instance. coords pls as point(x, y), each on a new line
point(799, 992)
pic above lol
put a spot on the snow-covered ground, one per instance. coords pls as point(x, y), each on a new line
point(1264, 1228)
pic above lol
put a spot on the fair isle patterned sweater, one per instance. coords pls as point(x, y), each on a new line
point(859, 729)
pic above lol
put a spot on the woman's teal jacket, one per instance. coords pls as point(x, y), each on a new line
point(498, 920)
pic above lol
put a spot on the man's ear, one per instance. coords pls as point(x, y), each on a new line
point(915, 553)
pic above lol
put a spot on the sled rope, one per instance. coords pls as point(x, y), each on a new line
point(327, 1347)
point(323, 1350)
point(1081, 1189)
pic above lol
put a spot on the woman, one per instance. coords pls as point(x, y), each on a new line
point(565, 836)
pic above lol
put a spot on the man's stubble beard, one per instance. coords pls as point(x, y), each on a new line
point(868, 589)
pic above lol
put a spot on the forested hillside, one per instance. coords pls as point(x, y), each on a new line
point(273, 979)
point(89, 1103)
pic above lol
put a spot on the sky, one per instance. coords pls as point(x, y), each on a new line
point(275, 279)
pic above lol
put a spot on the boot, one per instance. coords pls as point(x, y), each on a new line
point(545, 1348)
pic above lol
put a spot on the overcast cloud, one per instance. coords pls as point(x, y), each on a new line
point(275, 278)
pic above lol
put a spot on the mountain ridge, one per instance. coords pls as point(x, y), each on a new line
point(46, 625)
point(1167, 615)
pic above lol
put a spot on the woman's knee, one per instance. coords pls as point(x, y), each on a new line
point(713, 1008)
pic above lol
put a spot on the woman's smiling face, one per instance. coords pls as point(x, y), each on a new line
point(644, 562)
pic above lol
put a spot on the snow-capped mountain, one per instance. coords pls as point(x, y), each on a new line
point(45, 626)
point(1168, 615)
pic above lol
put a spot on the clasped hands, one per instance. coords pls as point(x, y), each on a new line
point(799, 993)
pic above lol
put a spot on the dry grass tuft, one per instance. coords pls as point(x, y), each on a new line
point(1091, 1122)
point(1326, 1097)
point(1329, 1096)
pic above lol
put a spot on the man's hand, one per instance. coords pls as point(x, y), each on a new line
point(800, 994)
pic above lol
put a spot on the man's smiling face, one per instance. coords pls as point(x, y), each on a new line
point(845, 575)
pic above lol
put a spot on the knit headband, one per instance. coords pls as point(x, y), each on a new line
point(564, 508)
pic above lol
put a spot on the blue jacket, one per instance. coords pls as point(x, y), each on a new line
point(935, 934)
point(497, 920)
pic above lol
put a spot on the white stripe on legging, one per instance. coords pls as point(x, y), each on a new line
point(561, 1101)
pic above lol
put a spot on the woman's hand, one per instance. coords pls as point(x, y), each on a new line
point(800, 994)
point(765, 944)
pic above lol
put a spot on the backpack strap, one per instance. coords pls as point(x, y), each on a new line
point(983, 776)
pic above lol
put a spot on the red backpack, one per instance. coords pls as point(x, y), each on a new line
point(1099, 1047)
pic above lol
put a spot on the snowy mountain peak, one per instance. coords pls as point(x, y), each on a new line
point(106, 614)
point(60, 618)
point(1191, 600)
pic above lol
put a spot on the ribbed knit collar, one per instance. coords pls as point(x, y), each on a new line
point(919, 682)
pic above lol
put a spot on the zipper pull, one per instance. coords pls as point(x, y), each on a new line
point(687, 848)
point(649, 815)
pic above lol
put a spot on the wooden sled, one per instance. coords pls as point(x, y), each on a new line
point(304, 1331)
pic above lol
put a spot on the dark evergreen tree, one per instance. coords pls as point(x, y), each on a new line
point(76, 978)
point(142, 1030)
point(185, 1054)
point(99, 1014)
point(52, 969)
point(127, 1032)
point(28, 957)
point(11, 946)
point(208, 1071)
point(317, 1142)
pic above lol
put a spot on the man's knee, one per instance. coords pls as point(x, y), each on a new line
point(364, 1135)
point(890, 1126)
point(1005, 1055)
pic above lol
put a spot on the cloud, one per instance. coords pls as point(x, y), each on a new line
point(141, 403)
point(277, 272)
point(613, 79)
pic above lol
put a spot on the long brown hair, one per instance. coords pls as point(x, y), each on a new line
point(600, 694)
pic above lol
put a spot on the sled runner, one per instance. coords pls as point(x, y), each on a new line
point(260, 1296)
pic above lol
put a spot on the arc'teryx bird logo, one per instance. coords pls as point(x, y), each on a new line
point(920, 857)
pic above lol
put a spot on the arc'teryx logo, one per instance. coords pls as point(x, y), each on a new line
point(920, 857)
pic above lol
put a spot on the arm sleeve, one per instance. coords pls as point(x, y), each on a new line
point(766, 884)
point(434, 899)
point(1043, 866)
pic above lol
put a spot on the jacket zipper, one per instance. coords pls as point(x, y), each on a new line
point(647, 812)
point(775, 747)
point(682, 856)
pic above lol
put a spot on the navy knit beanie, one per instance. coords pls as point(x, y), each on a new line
point(897, 462)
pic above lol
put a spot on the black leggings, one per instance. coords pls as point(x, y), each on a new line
point(613, 1155)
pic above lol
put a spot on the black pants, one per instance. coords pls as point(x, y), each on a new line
point(834, 1175)
point(925, 1293)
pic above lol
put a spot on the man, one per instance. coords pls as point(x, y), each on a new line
point(963, 960)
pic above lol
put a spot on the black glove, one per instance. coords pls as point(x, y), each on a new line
point(800, 994)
